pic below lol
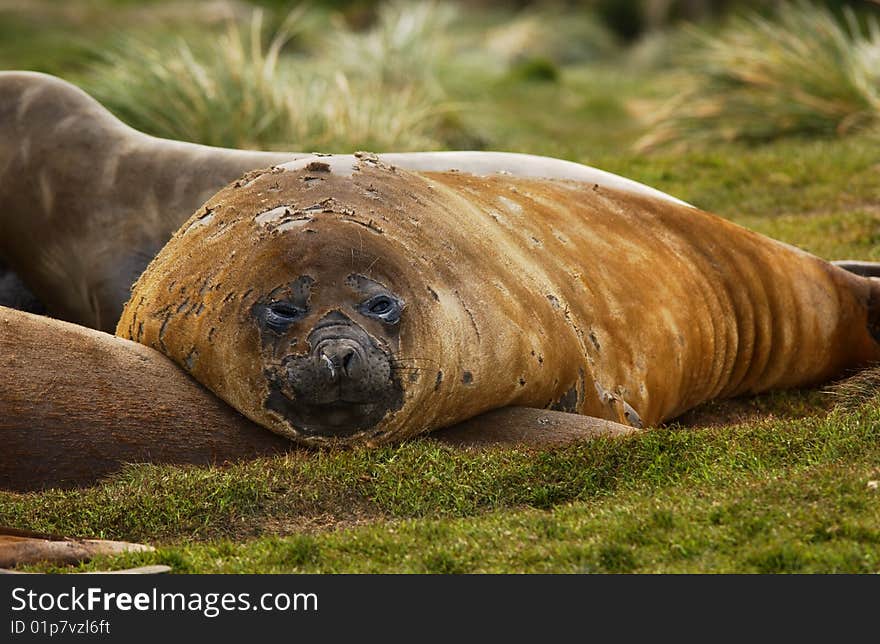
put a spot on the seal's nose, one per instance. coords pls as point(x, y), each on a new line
point(341, 359)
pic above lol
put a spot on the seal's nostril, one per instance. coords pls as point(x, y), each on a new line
point(348, 360)
point(330, 366)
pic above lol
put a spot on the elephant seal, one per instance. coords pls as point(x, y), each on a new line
point(343, 300)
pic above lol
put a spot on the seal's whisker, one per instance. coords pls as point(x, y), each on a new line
point(405, 365)
point(400, 359)
point(412, 366)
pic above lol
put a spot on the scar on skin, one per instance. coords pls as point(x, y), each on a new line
point(162, 330)
point(271, 215)
point(370, 225)
point(470, 315)
point(293, 223)
point(631, 416)
point(318, 166)
point(203, 220)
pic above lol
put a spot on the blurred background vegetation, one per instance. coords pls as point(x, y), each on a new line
point(563, 78)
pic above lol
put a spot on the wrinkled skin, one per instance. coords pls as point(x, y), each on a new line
point(502, 291)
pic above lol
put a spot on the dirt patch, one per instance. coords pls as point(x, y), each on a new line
point(319, 523)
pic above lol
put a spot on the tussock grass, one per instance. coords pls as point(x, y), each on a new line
point(562, 37)
point(403, 83)
point(237, 90)
point(409, 44)
point(802, 72)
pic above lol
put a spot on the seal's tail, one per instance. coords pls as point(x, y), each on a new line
point(865, 269)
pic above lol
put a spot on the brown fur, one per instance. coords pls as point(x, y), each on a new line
point(518, 291)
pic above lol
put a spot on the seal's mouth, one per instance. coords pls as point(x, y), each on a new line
point(339, 418)
point(335, 419)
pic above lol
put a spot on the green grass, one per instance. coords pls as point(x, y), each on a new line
point(768, 496)
point(775, 483)
point(23, 44)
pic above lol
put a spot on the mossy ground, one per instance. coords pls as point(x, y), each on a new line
point(777, 483)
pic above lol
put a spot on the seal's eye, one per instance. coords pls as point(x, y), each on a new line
point(382, 307)
point(280, 315)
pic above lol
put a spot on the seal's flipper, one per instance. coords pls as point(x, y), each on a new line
point(19, 547)
point(155, 569)
point(865, 269)
point(520, 426)
point(866, 286)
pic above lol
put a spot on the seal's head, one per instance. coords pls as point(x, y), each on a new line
point(329, 350)
point(336, 299)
